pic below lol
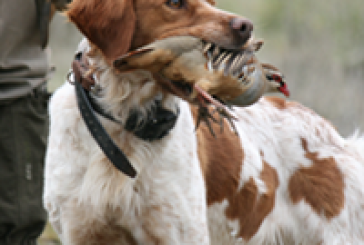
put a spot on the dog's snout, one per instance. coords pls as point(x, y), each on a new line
point(242, 27)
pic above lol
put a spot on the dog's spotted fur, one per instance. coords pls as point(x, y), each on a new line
point(289, 178)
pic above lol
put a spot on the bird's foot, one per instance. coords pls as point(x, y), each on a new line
point(204, 114)
point(224, 113)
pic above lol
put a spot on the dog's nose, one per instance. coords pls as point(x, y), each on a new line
point(242, 27)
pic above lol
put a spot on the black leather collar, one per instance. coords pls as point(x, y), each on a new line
point(157, 124)
point(115, 154)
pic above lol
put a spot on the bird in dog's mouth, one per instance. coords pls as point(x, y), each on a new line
point(204, 73)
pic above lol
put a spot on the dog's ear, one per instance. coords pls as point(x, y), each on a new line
point(108, 24)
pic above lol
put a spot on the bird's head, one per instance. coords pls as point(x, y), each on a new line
point(276, 82)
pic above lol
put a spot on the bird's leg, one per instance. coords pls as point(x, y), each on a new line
point(204, 115)
point(220, 108)
point(223, 115)
point(214, 102)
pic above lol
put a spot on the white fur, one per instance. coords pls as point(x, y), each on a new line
point(167, 200)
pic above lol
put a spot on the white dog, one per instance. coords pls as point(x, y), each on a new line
point(288, 178)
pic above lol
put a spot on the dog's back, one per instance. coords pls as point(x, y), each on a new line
point(299, 182)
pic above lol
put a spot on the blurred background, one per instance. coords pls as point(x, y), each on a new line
point(319, 45)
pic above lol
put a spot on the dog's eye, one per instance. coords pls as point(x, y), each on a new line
point(177, 4)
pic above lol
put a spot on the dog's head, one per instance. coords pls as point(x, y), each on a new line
point(116, 26)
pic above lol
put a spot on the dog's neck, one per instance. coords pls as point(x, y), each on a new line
point(128, 95)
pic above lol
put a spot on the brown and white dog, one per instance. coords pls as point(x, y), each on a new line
point(289, 178)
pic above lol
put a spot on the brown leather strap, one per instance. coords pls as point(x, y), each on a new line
point(80, 67)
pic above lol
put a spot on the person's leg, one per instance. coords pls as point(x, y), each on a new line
point(23, 132)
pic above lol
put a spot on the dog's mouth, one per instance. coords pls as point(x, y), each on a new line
point(231, 61)
point(189, 66)
point(227, 61)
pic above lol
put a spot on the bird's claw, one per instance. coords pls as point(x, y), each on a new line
point(203, 99)
point(205, 116)
point(224, 113)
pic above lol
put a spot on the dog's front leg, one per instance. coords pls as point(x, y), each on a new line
point(167, 218)
point(173, 206)
point(165, 224)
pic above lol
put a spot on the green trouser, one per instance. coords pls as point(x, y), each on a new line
point(23, 135)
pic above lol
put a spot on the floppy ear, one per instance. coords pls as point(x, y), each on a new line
point(109, 24)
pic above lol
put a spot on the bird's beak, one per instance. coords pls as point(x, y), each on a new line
point(284, 90)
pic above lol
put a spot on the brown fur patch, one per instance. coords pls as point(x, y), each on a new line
point(212, 2)
point(221, 161)
point(250, 209)
point(108, 24)
point(321, 185)
point(277, 102)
